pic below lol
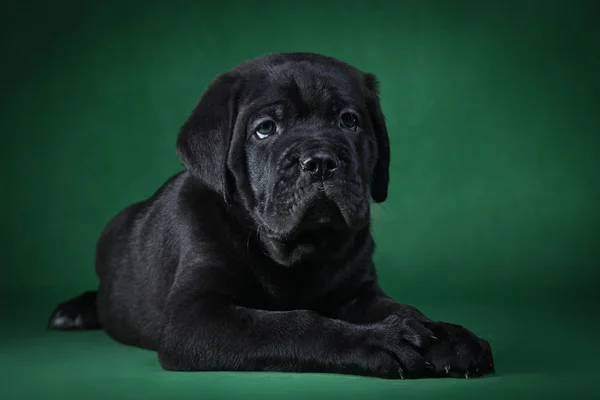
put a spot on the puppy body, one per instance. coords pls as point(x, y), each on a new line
point(186, 221)
point(185, 235)
point(259, 255)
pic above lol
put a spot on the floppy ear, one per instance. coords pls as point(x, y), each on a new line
point(381, 172)
point(204, 140)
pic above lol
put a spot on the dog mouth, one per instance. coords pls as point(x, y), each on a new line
point(320, 209)
point(321, 216)
point(322, 212)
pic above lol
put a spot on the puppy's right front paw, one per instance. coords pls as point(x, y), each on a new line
point(397, 341)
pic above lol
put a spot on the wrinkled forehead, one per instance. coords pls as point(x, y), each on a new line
point(305, 87)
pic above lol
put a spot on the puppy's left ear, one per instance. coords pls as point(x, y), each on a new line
point(381, 172)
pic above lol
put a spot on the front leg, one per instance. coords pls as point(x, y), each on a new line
point(207, 332)
point(211, 335)
point(370, 304)
point(451, 351)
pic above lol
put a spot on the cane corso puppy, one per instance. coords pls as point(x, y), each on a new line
point(258, 257)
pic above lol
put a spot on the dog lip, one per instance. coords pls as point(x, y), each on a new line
point(320, 213)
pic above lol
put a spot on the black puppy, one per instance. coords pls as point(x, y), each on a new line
point(258, 256)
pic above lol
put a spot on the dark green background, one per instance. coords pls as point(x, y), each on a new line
point(493, 214)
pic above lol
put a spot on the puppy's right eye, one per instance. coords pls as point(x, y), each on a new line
point(265, 128)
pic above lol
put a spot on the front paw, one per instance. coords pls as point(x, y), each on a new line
point(397, 345)
point(459, 353)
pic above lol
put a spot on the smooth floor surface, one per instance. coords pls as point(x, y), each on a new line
point(541, 351)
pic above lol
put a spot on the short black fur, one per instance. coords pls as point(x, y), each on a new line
point(258, 257)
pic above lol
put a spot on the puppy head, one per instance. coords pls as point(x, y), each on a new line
point(300, 142)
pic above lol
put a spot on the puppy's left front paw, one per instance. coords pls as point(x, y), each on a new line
point(458, 353)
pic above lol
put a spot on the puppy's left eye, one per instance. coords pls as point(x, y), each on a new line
point(349, 120)
point(265, 128)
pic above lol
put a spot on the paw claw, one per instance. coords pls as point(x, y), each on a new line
point(447, 369)
point(401, 373)
point(466, 375)
point(428, 365)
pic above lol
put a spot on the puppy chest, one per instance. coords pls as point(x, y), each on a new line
point(278, 295)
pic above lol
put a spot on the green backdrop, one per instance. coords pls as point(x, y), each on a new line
point(494, 210)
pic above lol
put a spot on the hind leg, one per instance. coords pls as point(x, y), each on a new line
point(77, 313)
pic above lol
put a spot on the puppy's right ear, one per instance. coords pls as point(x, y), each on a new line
point(204, 139)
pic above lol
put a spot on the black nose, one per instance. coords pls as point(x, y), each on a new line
point(319, 166)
